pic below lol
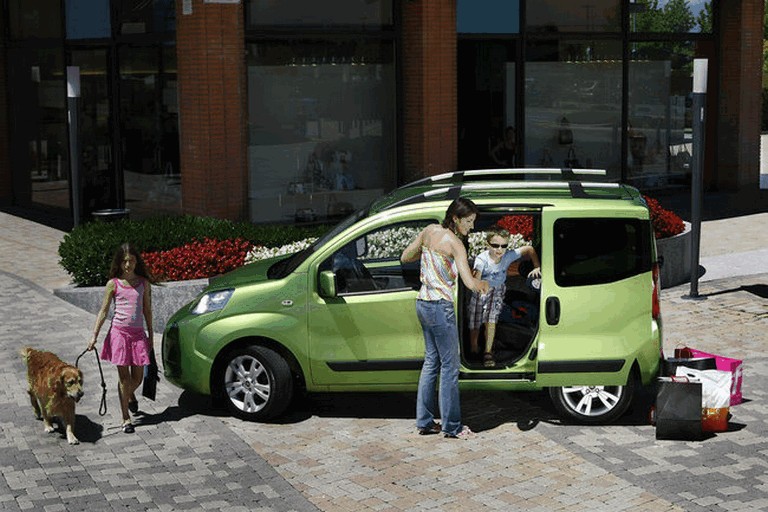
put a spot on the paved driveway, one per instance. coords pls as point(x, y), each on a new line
point(360, 451)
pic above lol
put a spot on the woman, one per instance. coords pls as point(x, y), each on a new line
point(442, 254)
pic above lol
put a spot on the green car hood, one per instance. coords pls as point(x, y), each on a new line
point(250, 273)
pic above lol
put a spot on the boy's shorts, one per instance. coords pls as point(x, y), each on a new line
point(486, 308)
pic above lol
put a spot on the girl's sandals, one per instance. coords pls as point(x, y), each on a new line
point(128, 428)
point(488, 360)
point(432, 429)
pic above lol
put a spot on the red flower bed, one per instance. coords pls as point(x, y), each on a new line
point(197, 259)
point(522, 224)
point(665, 222)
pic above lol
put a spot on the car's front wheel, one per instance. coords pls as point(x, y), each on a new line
point(593, 404)
point(254, 383)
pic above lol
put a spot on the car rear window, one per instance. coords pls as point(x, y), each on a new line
point(597, 250)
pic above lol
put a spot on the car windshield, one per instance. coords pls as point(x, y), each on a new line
point(285, 266)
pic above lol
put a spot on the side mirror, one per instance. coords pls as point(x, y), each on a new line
point(361, 246)
point(327, 284)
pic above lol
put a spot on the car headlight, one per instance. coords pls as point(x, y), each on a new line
point(212, 301)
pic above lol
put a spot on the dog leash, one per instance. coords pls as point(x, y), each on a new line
point(103, 406)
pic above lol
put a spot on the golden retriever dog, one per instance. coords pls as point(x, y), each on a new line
point(54, 389)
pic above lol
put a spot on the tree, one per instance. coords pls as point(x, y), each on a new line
point(705, 19)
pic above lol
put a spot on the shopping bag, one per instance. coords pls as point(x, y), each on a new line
point(715, 396)
point(669, 365)
point(678, 409)
point(722, 363)
point(151, 376)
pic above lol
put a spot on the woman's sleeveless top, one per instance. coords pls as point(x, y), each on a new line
point(129, 304)
point(438, 274)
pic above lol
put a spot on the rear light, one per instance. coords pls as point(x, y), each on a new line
point(655, 305)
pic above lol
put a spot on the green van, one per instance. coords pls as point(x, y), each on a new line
point(340, 315)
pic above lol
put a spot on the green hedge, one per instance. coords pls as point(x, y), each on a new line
point(86, 252)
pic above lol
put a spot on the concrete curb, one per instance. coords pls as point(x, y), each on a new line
point(167, 298)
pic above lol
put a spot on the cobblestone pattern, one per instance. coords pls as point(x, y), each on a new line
point(182, 457)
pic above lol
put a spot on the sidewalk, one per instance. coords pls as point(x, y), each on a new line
point(359, 452)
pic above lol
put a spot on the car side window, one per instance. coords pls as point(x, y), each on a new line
point(597, 250)
point(371, 263)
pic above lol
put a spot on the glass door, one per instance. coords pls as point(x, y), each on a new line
point(98, 175)
point(149, 129)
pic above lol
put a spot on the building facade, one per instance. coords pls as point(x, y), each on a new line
point(298, 110)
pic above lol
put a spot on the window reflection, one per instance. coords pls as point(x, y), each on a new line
point(659, 109)
point(585, 16)
point(573, 105)
point(311, 12)
point(670, 16)
point(321, 128)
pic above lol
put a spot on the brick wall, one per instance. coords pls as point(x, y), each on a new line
point(429, 87)
point(212, 109)
point(738, 130)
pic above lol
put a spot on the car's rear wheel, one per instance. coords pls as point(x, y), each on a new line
point(593, 404)
point(254, 383)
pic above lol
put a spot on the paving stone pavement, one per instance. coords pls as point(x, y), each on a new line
point(360, 451)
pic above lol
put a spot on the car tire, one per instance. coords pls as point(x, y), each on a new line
point(254, 383)
point(593, 405)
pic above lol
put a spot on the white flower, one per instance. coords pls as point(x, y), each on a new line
point(261, 253)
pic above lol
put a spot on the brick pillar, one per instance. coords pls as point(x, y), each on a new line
point(212, 109)
point(738, 130)
point(429, 87)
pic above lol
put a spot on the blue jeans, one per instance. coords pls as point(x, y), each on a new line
point(441, 356)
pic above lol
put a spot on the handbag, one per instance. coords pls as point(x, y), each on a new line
point(678, 409)
point(715, 396)
point(722, 363)
point(151, 376)
point(571, 162)
point(565, 134)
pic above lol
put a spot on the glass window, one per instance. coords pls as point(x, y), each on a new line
point(31, 19)
point(670, 16)
point(659, 110)
point(261, 13)
point(372, 261)
point(488, 16)
point(573, 105)
point(560, 16)
point(595, 251)
point(87, 19)
point(144, 17)
point(321, 128)
point(39, 140)
point(149, 130)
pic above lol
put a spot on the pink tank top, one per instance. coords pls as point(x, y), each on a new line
point(129, 304)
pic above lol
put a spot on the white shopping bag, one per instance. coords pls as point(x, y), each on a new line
point(715, 396)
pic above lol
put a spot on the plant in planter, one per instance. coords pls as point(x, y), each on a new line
point(665, 223)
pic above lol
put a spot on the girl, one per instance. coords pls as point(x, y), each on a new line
point(442, 253)
point(127, 345)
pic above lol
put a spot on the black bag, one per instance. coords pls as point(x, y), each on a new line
point(669, 365)
point(151, 376)
point(678, 409)
point(565, 134)
point(571, 162)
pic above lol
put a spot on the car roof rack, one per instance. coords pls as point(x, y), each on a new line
point(577, 189)
point(459, 177)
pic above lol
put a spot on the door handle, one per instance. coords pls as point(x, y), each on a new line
point(553, 310)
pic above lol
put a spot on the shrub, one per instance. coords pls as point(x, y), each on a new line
point(197, 259)
point(522, 224)
point(665, 223)
point(86, 252)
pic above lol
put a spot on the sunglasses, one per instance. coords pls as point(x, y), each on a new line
point(499, 246)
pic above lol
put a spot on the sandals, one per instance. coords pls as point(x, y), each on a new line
point(128, 428)
point(432, 429)
point(464, 435)
point(488, 361)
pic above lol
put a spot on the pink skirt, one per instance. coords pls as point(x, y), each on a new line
point(126, 346)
